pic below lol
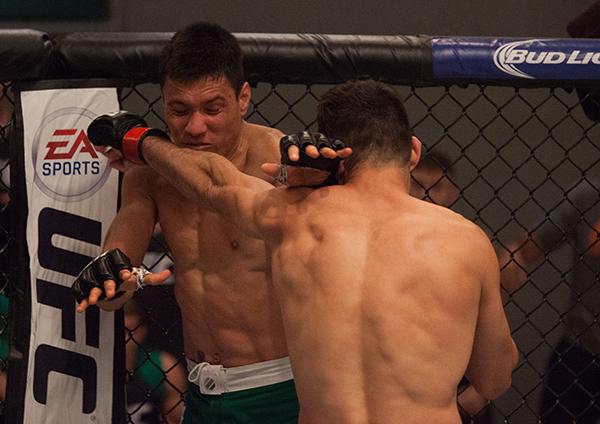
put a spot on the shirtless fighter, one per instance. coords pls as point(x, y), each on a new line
point(230, 316)
point(387, 300)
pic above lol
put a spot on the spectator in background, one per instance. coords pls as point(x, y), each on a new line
point(430, 180)
point(572, 378)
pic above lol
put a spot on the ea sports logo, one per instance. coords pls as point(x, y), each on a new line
point(66, 165)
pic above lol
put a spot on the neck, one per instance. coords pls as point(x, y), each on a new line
point(380, 178)
point(239, 154)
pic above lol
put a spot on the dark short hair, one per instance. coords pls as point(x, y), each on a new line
point(202, 50)
point(370, 117)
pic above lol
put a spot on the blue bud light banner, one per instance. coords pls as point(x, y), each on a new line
point(71, 199)
point(503, 58)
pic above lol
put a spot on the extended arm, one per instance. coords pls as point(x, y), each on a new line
point(206, 178)
point(211, 180)
point(130, 232)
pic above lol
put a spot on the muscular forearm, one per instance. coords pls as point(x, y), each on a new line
point(208, 180)
point(133, 243)
point(193, 173)
point(132, 228)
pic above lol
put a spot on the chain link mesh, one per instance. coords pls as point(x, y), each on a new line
point(514, 157)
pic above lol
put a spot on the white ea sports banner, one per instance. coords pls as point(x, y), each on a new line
point(72, 198)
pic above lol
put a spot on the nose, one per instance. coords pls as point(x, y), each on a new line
point(196, 125)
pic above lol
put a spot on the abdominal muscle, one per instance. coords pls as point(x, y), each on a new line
point(229, 314)
point(229, 322)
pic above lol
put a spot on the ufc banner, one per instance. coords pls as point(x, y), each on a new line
point(74, 371)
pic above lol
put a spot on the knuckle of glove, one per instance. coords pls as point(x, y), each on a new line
point(106, 266)
point(118, 261)
point(332, 143)
point(323, 141)
point(108, 130)
point(83, 284)
point(304, 139)
point(102, 270)
point(338, 145)
point(100, 132)
point(307, 139)
point(319, 141)
point(124, 121)
point(284, 144)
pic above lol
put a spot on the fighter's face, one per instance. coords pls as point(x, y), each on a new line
point(205, 114)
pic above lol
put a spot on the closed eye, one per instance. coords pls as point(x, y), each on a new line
point(213, 109)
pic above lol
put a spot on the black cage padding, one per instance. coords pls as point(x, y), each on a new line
point(274, 58)
point(25, 54)
point(277, 58)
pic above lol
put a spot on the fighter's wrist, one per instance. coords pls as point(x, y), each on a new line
point(133, 141)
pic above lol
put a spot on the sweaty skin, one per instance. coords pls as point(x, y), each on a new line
point(229, 313)
point(395, 305)
point(387, 301)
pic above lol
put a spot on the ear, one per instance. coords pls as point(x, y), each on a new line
point(415, 152)
point(244, 98)
point(341, 174)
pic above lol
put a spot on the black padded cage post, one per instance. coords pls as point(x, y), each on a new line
point(515, 118)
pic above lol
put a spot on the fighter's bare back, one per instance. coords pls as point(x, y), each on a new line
point(379, 287)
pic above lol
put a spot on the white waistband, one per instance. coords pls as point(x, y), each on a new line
point(216, 380)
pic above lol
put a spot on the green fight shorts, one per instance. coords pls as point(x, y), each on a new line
point(273, 404)
point(261, 393)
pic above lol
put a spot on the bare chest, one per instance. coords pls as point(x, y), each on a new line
point(202, 240)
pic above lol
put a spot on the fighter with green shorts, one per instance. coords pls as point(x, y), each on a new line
point(245, 394)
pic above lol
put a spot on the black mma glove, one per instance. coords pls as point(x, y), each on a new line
point(123, 131)
point(106, 266)
point(304, 139)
